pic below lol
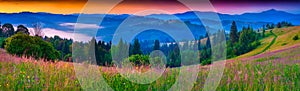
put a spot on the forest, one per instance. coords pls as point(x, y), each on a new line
point(25, 43)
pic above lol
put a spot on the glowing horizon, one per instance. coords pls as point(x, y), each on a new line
point(65, 7)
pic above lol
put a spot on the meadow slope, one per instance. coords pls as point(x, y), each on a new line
point(275, 69)
point(284, 40)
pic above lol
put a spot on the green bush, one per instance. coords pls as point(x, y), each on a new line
point(2, 40)
point(67, 57)
point(139, 60)
point(295, 37)
point(30, 46)
point(206, 62)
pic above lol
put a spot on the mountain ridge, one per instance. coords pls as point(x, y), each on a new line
point(111, 22)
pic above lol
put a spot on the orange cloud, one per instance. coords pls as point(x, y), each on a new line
point(139, 6)
point(61, 7)
point(76, 6)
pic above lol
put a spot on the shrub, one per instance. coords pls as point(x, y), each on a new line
point(295, 37)
point(68, 58)
point(2, 40)
point(206, 62)
point(30, 46)
point(139, 60)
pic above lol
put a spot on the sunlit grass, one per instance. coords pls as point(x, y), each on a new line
point(279, 71)
point(284, 40)
point(285, 37)
point(264, 43)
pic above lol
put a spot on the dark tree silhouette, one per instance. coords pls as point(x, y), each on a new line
point(22, 29)
point(8, 30)
point(233, 33)
point(156, 45)
point(136, 47)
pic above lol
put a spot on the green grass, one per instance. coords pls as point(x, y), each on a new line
point(283, 39)
point(269, 72)
point(237, 76)
point(272, 42)
point(266, 73)
point(285, 35)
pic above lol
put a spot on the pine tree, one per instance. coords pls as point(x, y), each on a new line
point(208, 45)
point(156, 45)
point(233, 33)
point(199, 43)
point(136, 47)
point(263, 31)
point(247, 37)
point(278, 25)
point(268, 26)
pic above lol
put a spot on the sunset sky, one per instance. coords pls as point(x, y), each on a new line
point(133, 6)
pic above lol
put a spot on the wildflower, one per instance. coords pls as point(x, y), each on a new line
point(240, 72)
point(28, 77)
point(136, 68)
point(259, 72)
point(228, 80)
point(236, 77)
point(276, 78)
point(36, 78)
point(246, 77)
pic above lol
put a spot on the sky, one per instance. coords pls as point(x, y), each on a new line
point(135, 6)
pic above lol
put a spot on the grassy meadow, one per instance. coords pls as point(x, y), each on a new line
point(283, 40)
point(276, 69)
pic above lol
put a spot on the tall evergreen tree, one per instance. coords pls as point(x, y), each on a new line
point(136, 47)
point(208, 43)
point(156, 45)
point(206, 52)
point(175, 58)
point(263, 31)
point(199, 43)
point(247, 37)
point(1, 33)
point(278, 25)
point(233, 33)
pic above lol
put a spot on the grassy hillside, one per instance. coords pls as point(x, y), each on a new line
point(284, 40)
point(279, 71)
point(275, 69)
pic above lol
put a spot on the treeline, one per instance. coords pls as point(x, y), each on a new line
point(64, 46)
point(242, 42)
point(248, 39)
point(278, 25)
point(20, 43)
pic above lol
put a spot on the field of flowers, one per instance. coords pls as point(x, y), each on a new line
point(276, 70)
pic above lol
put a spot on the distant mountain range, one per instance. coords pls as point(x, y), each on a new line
point(65, 23)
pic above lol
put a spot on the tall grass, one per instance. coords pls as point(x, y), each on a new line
point(269, 72)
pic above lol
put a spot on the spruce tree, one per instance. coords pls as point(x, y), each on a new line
point(156, 45)
point(136, 47)
point(233, 33)
point(199, 43)
point(264, 31)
